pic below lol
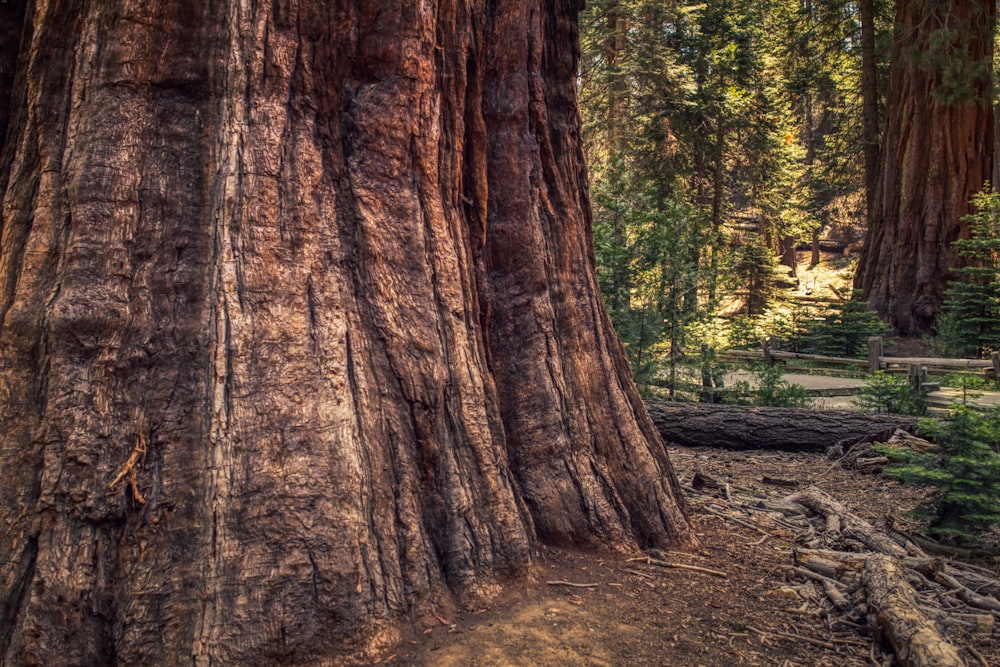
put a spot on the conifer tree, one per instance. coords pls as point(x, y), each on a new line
point(973, 298)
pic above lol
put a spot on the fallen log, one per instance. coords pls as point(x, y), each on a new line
point(897, 617)
point(740, 427)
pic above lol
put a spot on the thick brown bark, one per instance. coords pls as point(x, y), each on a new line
point(323, 273)
point(740, 427)
point(936, 154)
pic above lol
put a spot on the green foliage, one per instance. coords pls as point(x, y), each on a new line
point(971, 386)
point(757, 266)
point(949, 338)
point(890, 394)
point(970, 324)
point(964, 470)
point(697, 116)
point(769, 389)
point(745, 332)
point(844, 331)
point(647, 253)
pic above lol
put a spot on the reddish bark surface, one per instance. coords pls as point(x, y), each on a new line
point(936, 153)
point(301, 339)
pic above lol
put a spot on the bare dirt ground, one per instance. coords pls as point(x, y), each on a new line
point(634, 613)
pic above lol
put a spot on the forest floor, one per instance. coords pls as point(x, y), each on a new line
point(634, 613)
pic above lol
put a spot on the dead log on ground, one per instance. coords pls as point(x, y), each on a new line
point(741, 427)
point(896, 616)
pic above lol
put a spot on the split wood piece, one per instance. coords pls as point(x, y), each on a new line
point(839, 570)
point(973, 652)
point(850, 560)
point(865, 465)
point(938, 549)
point(788, 509)
point(853, 526)
point(677, 566)
point(897, 618)
point(972, 587)
point(902, 438)
point(739, 427)
point(777, 481)
point(571, 584)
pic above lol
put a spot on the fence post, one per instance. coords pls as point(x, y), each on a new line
point(767, 352)
point(875, 350)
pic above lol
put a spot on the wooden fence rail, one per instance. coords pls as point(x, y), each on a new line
point(876, 361)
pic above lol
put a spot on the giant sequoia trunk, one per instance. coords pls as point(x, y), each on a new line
point(301, 338)
point(936, 154)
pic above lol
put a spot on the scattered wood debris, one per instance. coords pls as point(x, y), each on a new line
point(875, 578)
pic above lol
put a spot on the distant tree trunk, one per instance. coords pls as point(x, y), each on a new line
point(936, 153)
point(869, 105)
point(789, 257)
point(300, 338)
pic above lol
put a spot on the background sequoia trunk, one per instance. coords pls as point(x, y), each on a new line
point(936, 154)
point(313, 281)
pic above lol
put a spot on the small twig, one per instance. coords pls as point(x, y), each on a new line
point(816, 576)
point(138, 451)
point(834, 464)
point(678, 566)
point(639, 574)
point(809, 640)
point(571, 584)
point(741, 522)
point(787, 635)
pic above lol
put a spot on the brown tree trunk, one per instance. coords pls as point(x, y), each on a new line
point(300, 338)
point(789, 257)
point(936, 154)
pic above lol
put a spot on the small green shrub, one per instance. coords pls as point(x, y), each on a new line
point(948, 340)
point(845, 330)
point(745, 332)
point(971, 386)
point(769, 389)
point(964, 469)
point(972, 300)
point(889, 394)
